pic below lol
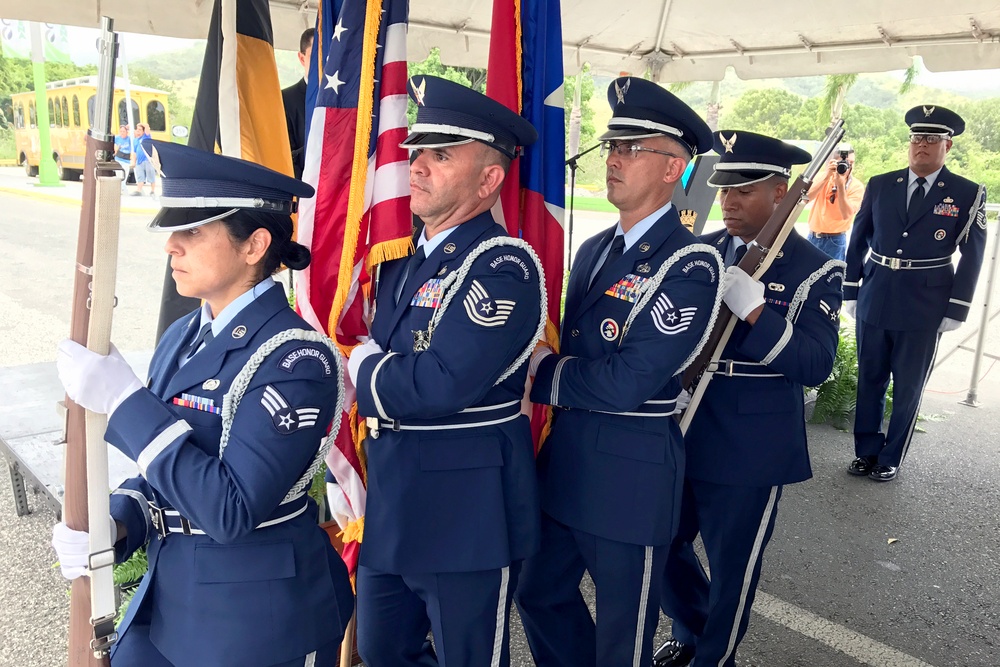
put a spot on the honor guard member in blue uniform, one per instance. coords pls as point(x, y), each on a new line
point(452, 504)
point(748, 436)
point(640, 300)
point(903, 285)
point(239, 571)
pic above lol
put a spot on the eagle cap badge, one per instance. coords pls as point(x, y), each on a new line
point(621, 91)
point(728, 143)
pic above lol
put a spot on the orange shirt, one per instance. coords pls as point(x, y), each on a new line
point(825, 218)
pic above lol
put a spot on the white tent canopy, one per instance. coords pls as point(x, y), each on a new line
point(678, 40)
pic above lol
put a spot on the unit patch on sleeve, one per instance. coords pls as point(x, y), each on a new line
point(627, 289)
point(285, 418)
point(429, 294)
point(483, 309)
point(670, 320)
point(511, 261)
point(290, 360)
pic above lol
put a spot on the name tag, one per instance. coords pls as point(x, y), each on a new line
point(949, 210)
point(627, 289)
point(429, 294)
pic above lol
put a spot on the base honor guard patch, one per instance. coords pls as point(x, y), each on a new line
point(197, 403)
point(627, 289)
point(946, 209)
point(429, 294)
point(285, 418)
point(670, 320)
point(483, 309)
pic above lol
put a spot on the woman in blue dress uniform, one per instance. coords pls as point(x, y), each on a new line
point(239, 572)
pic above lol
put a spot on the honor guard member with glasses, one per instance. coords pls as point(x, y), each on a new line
point(227, 435)
point(903, 285)
point(641, 298)
point(452, 504)
point(748, 436)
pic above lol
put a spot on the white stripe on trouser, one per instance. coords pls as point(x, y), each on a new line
point(640, 628)
point(755, 554)
point(311, 660)
point(501, 617)
point(920, 400)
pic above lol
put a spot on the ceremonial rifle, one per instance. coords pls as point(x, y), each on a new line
point(92, 598)
point(761, 252)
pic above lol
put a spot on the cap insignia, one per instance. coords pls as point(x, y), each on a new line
point(728, 143)
point(621, 91)
point(928, 111)
point(418, 90)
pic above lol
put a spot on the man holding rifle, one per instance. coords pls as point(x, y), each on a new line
point(748, 436)
point(641, 296)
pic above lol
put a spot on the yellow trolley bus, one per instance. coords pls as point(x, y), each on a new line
point(71, 106)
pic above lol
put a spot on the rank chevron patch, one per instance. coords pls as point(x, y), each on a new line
point(670, 320)
point(483, 309)
point(285, 418)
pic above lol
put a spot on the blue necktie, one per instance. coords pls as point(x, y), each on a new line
point(738, 255)
point(412, 266)
point(604, 275)
point(916, 199)
point(205, 336)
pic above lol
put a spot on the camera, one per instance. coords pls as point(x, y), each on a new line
point(843, 166)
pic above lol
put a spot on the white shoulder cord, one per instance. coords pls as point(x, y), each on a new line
point(974, 216)
point(232, 399)
point(452, 285)
point(802, 291)
point(649, 289)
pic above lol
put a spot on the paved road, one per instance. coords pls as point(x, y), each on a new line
point(834, 592)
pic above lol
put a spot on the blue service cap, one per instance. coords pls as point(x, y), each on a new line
point(934, 120)
point(641, 108)
point(746, 157)
point(200, 187)
point(449, 114)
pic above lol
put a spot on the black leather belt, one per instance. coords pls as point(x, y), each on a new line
point(900, 264)
point(167, 520)
point(731, 368)
point(475, 417)
point(827, 235)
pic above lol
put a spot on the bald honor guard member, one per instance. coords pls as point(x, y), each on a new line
point(907, 291)
point(641, 298)
point(748, 436)
point(452, 500)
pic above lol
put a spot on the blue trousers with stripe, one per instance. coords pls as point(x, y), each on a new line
point(736, 523)
point(908, 356)
point(468, 614)
point(561, 632)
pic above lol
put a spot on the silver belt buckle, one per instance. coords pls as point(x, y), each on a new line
point(372, 424)
point(894, 263)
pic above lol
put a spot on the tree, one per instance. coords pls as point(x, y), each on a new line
point(587, 130)
point(432, 66)
point(837, 86)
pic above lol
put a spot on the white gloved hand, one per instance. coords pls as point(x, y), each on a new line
point(542, 350)
point(359, 354)
point(96, 382)
point(850, 308)
point(340, 508)
point(948, 324)
point(683, 400)
point(742, 293)
point(73, 548)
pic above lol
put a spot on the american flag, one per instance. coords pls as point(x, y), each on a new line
point(360, 215)
point(526, 74)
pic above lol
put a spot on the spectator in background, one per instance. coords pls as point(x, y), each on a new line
point(836, 197)
point(123, 152)
point(144, 172)
point(294, 98)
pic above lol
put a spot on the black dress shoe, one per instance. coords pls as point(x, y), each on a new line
point(882, 473)
point(861, 466)
point(673, 654)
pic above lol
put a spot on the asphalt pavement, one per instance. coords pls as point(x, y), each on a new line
point(904, 574)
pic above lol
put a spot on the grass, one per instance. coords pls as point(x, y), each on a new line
point(602, 205)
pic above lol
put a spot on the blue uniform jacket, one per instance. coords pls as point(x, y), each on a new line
point(445, 499)
point(235, 595)
point(953, 215)
point(620, 476)
point(749, 429)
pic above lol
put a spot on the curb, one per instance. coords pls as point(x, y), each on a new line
point(67, 201)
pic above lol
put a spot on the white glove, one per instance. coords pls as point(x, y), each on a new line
point(948, 324)
point(339, 507)
point(849, 308)
point(541, 351)
point(683, 400)
point(73, 548)
point(742, 293)
point(359, 354)
point(93, 381)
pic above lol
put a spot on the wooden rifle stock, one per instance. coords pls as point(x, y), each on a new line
point(99, 149)
point(760, 254)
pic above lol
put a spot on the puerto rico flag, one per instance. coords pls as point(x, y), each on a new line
point(526, 74)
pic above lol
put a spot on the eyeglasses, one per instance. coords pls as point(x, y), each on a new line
point(631, 150)
point(931, 139)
